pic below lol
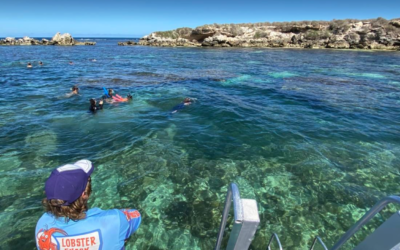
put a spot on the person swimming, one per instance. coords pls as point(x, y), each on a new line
point(118, 98)
point(93, 105)
point(108, 95)
point(74, 91)
point(40, 63)
point(29, 65)
point(111, 97)
point(71, 63)
point(187, 101)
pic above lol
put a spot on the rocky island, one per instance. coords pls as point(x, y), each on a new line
point(58, 39)
point(374, 34)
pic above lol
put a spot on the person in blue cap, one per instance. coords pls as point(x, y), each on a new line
point(69, 223)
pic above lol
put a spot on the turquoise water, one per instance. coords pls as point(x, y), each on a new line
point(313, 135)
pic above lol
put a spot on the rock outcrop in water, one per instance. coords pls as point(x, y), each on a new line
point(58, 39)
point(338, 34)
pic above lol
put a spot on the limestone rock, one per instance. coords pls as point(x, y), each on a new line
point(84, 43)
point(64, 39)
point(10, 39)
point(385, 40)
point(58, 39)
point(127, 43)
point(27, 41)
point(338, 44)
point(338, 34)
point(234, 42)
point(395, 23)
point(153, 40)
point(357, 25)
point(220, 38)
point(352, 38)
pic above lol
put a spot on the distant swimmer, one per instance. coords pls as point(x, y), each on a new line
point(94, 60)
point(93, 105)
point(182, 105)
point(108, 95)
point(118, 98)
point(74, 91)
point(40, 63)
point(29, 65)
point(71, 63)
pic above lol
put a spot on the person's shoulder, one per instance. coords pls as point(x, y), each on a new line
point(109, 214)
point(45, 219)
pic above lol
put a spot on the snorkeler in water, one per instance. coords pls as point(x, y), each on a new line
point(187, 101)
point(74, 91)
point(118, 98)
point(40, 63)
point(71, 63)
point(93, 105)
point(111, 97)
point(29, 65)
point(108, 95)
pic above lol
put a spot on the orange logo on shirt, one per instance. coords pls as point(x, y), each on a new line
point(131, 214)
point(86, 241)
point(44, 238)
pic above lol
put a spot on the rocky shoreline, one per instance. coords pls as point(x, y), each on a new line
point(373, 34)
point(58, 39)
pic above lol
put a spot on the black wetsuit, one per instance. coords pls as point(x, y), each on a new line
point(95, 108)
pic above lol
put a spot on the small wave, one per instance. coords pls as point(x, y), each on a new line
point(367, 75)
point(283, 74)
point(236, 80)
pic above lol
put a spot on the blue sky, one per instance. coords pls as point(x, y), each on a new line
point(124, 18)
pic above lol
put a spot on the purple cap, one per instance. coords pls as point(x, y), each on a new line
point(68, 182)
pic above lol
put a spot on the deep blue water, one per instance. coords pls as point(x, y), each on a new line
point(312, 135)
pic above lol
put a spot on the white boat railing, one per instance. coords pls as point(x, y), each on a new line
point(245, 223)
point(365, 219)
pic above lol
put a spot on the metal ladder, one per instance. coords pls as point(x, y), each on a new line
point(275, 236)
point(246, 220)
point(385, 237)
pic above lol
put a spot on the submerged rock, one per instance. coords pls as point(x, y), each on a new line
point(127, 43)
point(42, 142)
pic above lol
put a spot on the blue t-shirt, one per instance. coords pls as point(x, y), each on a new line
point(101, 229)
